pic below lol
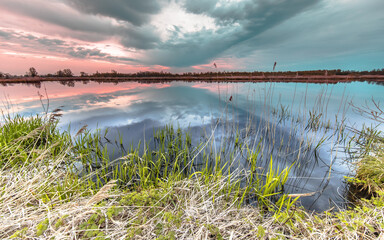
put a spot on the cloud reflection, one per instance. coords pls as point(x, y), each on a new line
point(135, 109)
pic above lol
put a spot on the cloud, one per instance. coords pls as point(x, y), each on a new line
point(58, 13)
point(51, 42)
point(328, 36)
point(238, 22)
point(185, 33)
point(81, 52)
point(129, 22)
point(137, 12)
point(87, 27)
point(5, 34)
point(44, 45)
point(199, 6)
point(140, 38)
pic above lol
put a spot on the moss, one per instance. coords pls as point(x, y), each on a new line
point(42, 227)
point(93, 227)
point(214, 232)
point(20, 234)
point(260, 231)
point(173, 219)
point(149, 197)
point(60, 221)
point(171, 235)
point(114, 211)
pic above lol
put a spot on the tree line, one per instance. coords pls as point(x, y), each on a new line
point(32, 72)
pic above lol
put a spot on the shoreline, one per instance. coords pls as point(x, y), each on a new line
point(332, 79)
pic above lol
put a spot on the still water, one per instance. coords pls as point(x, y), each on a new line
point(277, 114)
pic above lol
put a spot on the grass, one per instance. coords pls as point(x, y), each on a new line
point(173, 191)
point(38, 179)
point(366, 150)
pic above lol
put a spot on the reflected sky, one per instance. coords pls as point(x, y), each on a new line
point(184, 102)
point(135, 109)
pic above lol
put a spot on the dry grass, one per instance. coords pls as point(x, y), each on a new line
point(188, 209)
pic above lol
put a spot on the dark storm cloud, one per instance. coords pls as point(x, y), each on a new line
point(335, 37)
point(199, 6)
point(196, 48)
point(252, 14)
point(136, 12)
point(141, 38)
point(237, 23)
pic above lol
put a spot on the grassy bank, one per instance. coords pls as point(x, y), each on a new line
point(160, 193)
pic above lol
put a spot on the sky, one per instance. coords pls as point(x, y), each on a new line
point(190, 35)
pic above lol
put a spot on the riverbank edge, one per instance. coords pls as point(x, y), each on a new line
point(331, 79)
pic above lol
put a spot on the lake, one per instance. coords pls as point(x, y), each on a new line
point(287, 119)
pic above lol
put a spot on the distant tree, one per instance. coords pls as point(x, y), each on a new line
point(32, 72)
point(60, 73)
point(83, 74)
point(64, 73)
point(97, 74)
point(67, 72)
point(1, 75)
point(114, 73)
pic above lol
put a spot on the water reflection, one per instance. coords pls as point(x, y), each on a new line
point(133, 110)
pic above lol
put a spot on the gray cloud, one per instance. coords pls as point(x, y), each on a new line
point(5, 34)
point(196, 48)
point(252, 14)
point(200, 6)
point(60, 46)
point(136, 12)
point(81, 52)
point(145, 37)
point(51, 42)
point(238, 22)
point(56, 13)
point(87, 27)
point(327, 37)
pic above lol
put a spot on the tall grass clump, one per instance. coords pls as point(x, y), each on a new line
point(366, 153)
point(22, 139)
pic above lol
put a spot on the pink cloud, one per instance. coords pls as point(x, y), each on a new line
point(19, 63)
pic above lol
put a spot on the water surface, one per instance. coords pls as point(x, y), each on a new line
point(253, 109)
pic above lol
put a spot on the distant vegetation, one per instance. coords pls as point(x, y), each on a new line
point(68, 73)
